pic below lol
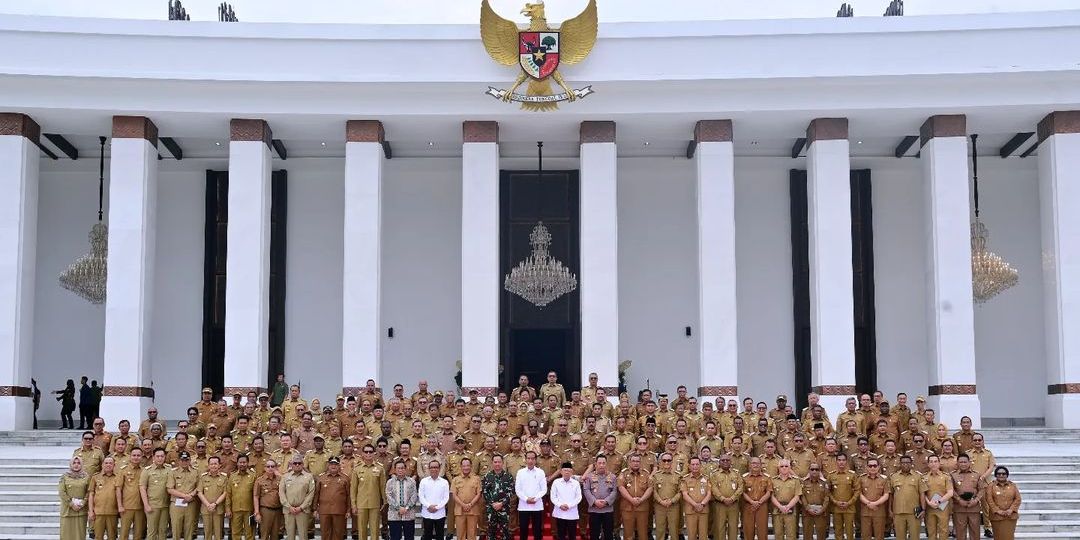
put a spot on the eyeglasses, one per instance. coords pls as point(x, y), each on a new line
point(666, 460)
point(87, 438)
point(812, 469)
point(382, 446)
point(369, 451)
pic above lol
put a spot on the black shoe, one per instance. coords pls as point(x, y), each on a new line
point(988, 533)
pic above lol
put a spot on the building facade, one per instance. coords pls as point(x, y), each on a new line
point(752, 208)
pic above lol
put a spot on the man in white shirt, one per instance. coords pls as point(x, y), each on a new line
point(530, 484)
point(565, 496)
point(434, 493)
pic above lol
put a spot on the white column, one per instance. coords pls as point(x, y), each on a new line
point(130, 283)
point(480, 280)
point(1059, 211)
point(361, 326)
point(599, 279)
point(247, 291)
point(949, 304)
point(717, 334)
point(18, 242)
point(832, 319)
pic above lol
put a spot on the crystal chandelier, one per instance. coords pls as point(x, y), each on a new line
point(540, 278)
point(86, 276)
point(990, 274)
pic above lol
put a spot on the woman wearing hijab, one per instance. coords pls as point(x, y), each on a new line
point(73, 489)
point(1003, 497)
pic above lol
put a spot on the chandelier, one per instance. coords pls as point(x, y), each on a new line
point(86, 276)
point(540, 278)
point(990, 274)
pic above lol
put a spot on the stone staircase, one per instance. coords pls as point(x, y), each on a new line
point(1045, 463)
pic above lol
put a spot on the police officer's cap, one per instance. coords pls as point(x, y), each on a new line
point(334, 460)
point(185, 456)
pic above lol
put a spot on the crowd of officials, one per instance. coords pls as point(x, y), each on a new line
point(643, 469)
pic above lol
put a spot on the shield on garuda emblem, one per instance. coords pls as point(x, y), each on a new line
point(539, 53)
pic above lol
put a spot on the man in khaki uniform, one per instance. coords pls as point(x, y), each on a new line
point(874, 493)
point(756, 494)
point(267, 501)
point(696, 494)
point(183, 488)
point(332, 500)
point(132, 516)
point(666, 494)
point(969, 488)
point(553, 388)
point(90, 454)
point(104, 499)
point(296, 490)
point(635, 491)
point(815, 505)
point(785, 496)
point(938, 492)
point(212, 491)
point(907, 489)
point(153, 487)
point(726, 485)
point(465, 492)
point(367, 484)
point(239, 500)
point(843, 498)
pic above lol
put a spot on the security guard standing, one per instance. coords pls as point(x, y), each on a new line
point(666, 496)
point(212, 491)
point(183, 487)
point(634, 494)
point(815, 505)
point(785, 497)
point(239, 501)
point(332, 500)
point(727, 491)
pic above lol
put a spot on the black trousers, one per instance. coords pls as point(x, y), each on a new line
point(565, 529)
point(533, 519)
point(402, 529)
point(85, 421)
point(601, 523)
point(434, 529)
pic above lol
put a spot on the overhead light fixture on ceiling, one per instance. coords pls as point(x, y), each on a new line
point(87, 275)
point(990, 274)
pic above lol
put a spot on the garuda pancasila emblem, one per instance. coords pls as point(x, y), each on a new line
point(539, 50)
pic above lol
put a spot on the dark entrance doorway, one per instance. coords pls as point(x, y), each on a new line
point(862, 266)
point(214, 278)
point(534, 341)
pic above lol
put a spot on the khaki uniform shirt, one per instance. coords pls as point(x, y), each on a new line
point(843, 487)
point(367, 484)
point(465, 488)
point(1003, 498)
point(332, 494)
point(155, 481)
point(728, 485)
point(814, 493)
point(297, 490)
point(907, 489)
point(213, 486)
point(268, 491)
point(129, 489)
point(757, 486)
point(636, 484)
point(553, 389)
point(91, 459)
point(800, 461)
point(103, 486)
point(873, 488)
point(240, 494)
point(696, 488)
point(315, 462)
point(785, 490)
point(666, 487)
point(968, 482)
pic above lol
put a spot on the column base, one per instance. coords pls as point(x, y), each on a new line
point(950, 408)
point(16, 412)
point(1063, 411)
point(130, 408)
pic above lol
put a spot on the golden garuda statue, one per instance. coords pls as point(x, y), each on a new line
point(539, 49)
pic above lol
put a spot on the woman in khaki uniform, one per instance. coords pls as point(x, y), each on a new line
point(73, 489)
point(1003, 497)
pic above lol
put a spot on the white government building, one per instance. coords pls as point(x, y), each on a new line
point(751, 208)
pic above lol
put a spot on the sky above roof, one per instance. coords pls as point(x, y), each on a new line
point(467, 11)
